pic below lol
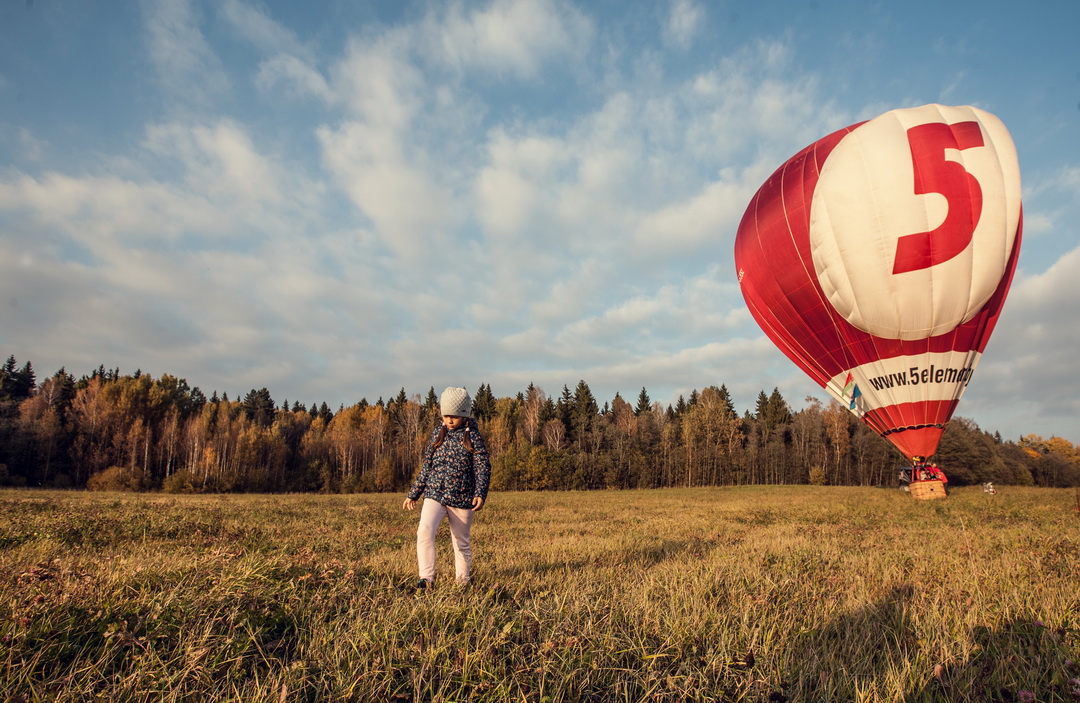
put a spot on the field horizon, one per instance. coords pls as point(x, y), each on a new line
point(750, 593)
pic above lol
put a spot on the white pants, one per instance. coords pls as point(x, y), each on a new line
point(431, 514)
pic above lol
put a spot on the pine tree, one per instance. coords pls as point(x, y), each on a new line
point(725, 398)
point(584, 411)
point(17, 385)
point(64, 385)
point(643, 402)
point(484, 403)
point(25, 382)
point(772, 411)
point(761, 408)
point(396, 407)
point(7, 377)
point(549, 412)
point(779, 411)
point(259, 407)
point(565, 407)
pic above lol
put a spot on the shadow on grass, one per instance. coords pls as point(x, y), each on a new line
point(862, 650)
point(1021, 661)
point(849, 653)
point(639, 555)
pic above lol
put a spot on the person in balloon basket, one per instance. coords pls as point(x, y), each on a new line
point(923, 470)
point(453, 481)
point(934, 473)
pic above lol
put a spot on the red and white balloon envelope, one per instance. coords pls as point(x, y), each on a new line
point(878, 259)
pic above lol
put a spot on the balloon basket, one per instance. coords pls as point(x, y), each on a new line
point(927, 490)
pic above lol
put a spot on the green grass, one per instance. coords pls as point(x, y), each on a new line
point(734, 594)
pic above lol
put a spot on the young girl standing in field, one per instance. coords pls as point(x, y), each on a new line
point(454, 482)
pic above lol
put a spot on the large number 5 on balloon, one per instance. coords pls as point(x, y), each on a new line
point(935, 174)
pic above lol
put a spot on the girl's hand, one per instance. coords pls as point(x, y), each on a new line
point(409, 504)
point(477, 503)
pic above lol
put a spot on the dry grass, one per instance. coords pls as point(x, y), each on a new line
point(745, 594)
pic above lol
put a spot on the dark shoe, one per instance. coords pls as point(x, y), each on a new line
point(423, 585)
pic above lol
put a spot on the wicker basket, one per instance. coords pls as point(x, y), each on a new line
point(927, 490)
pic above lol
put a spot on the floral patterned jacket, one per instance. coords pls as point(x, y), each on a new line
point(452, 475)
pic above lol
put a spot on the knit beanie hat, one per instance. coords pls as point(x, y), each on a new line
point(455, 402)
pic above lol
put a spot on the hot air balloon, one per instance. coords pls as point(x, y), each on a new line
point(878, 259)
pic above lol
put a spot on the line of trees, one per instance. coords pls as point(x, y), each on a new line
point(135, 432)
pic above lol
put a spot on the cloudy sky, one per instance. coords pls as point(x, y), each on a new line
point(334, 200)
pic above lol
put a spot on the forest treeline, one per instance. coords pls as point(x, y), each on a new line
point(135, 432)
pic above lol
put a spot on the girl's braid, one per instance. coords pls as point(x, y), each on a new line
point(467, 440)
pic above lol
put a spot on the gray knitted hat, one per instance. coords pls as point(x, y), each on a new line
point(455, 402)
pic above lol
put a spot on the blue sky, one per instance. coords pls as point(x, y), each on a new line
point(334, 200)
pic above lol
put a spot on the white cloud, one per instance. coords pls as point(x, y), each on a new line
point(709, 218)
point(198, 276)
point(1047, 292)
point(190, 72)
point(31, 148)
point(1069, 179)
point(411, 212)
point(516, 185)
point(218, 159)
point(226, 320)
point(506, 201)
point(378, 82)
point(1051, 200)
point(256, 26)
point(299, 78)
point(289, 62)
point(98, 212)
point(509, 37)
point(683, 23)
point(1038, 223)
point(674, 317)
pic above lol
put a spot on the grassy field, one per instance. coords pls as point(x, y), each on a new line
point(732, 594)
